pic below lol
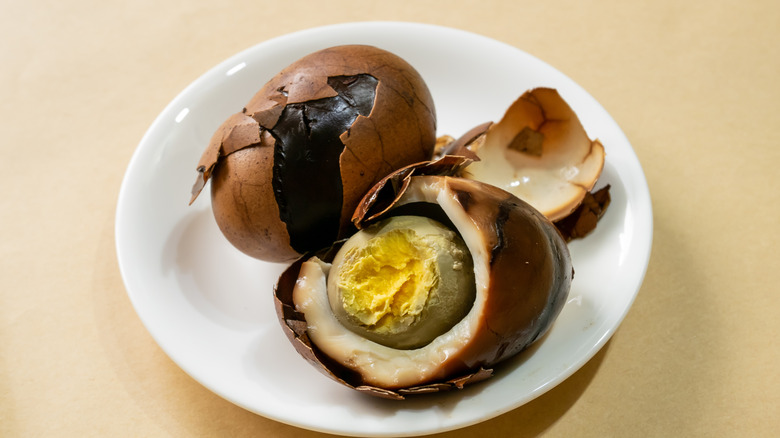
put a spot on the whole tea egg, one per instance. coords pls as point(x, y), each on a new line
point(518, 277)
point(288, 171)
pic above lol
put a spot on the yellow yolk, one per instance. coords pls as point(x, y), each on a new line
point(388, 280)
point(402, 281)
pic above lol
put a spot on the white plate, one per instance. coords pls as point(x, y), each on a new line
point(210, 307)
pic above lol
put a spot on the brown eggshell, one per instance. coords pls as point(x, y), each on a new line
point(530, 272)
point(539, 151)
point(583, 220)
point(386, 192)
point(526, 277)
point(233, 183)
point(333, 123)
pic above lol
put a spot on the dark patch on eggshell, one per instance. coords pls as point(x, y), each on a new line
point(504, 209)
point(463, 198)
point(583, 220)
point(528, 141)
point(306, 178)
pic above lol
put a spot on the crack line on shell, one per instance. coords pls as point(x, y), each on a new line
point(410, 104)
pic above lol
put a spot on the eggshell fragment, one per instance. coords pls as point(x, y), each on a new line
point(539, 151)
point(584, 219)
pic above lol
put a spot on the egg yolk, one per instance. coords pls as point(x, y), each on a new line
point(402, 282)
point(388, 280)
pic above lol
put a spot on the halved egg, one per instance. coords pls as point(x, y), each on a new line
point(447, 277)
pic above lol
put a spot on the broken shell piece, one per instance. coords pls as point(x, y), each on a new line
point(584, 219)
point(539, 151)
point(442, 142)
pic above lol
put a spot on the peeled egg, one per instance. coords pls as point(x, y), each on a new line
point(521, 277)
point(288, 171)
point(539, 151)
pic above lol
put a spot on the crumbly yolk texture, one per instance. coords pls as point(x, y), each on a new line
point(402, 281)
point(387, 282)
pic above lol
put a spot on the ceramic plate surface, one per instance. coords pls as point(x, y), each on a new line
point(210, 308)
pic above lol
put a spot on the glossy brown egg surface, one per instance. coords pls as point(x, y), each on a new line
point(289, 170)
point(522, 270)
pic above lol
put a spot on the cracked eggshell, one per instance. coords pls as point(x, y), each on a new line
point(539, 151)
point(288, 171)
point(523, 273)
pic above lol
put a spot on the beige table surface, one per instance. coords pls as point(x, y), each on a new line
point(693, 84)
